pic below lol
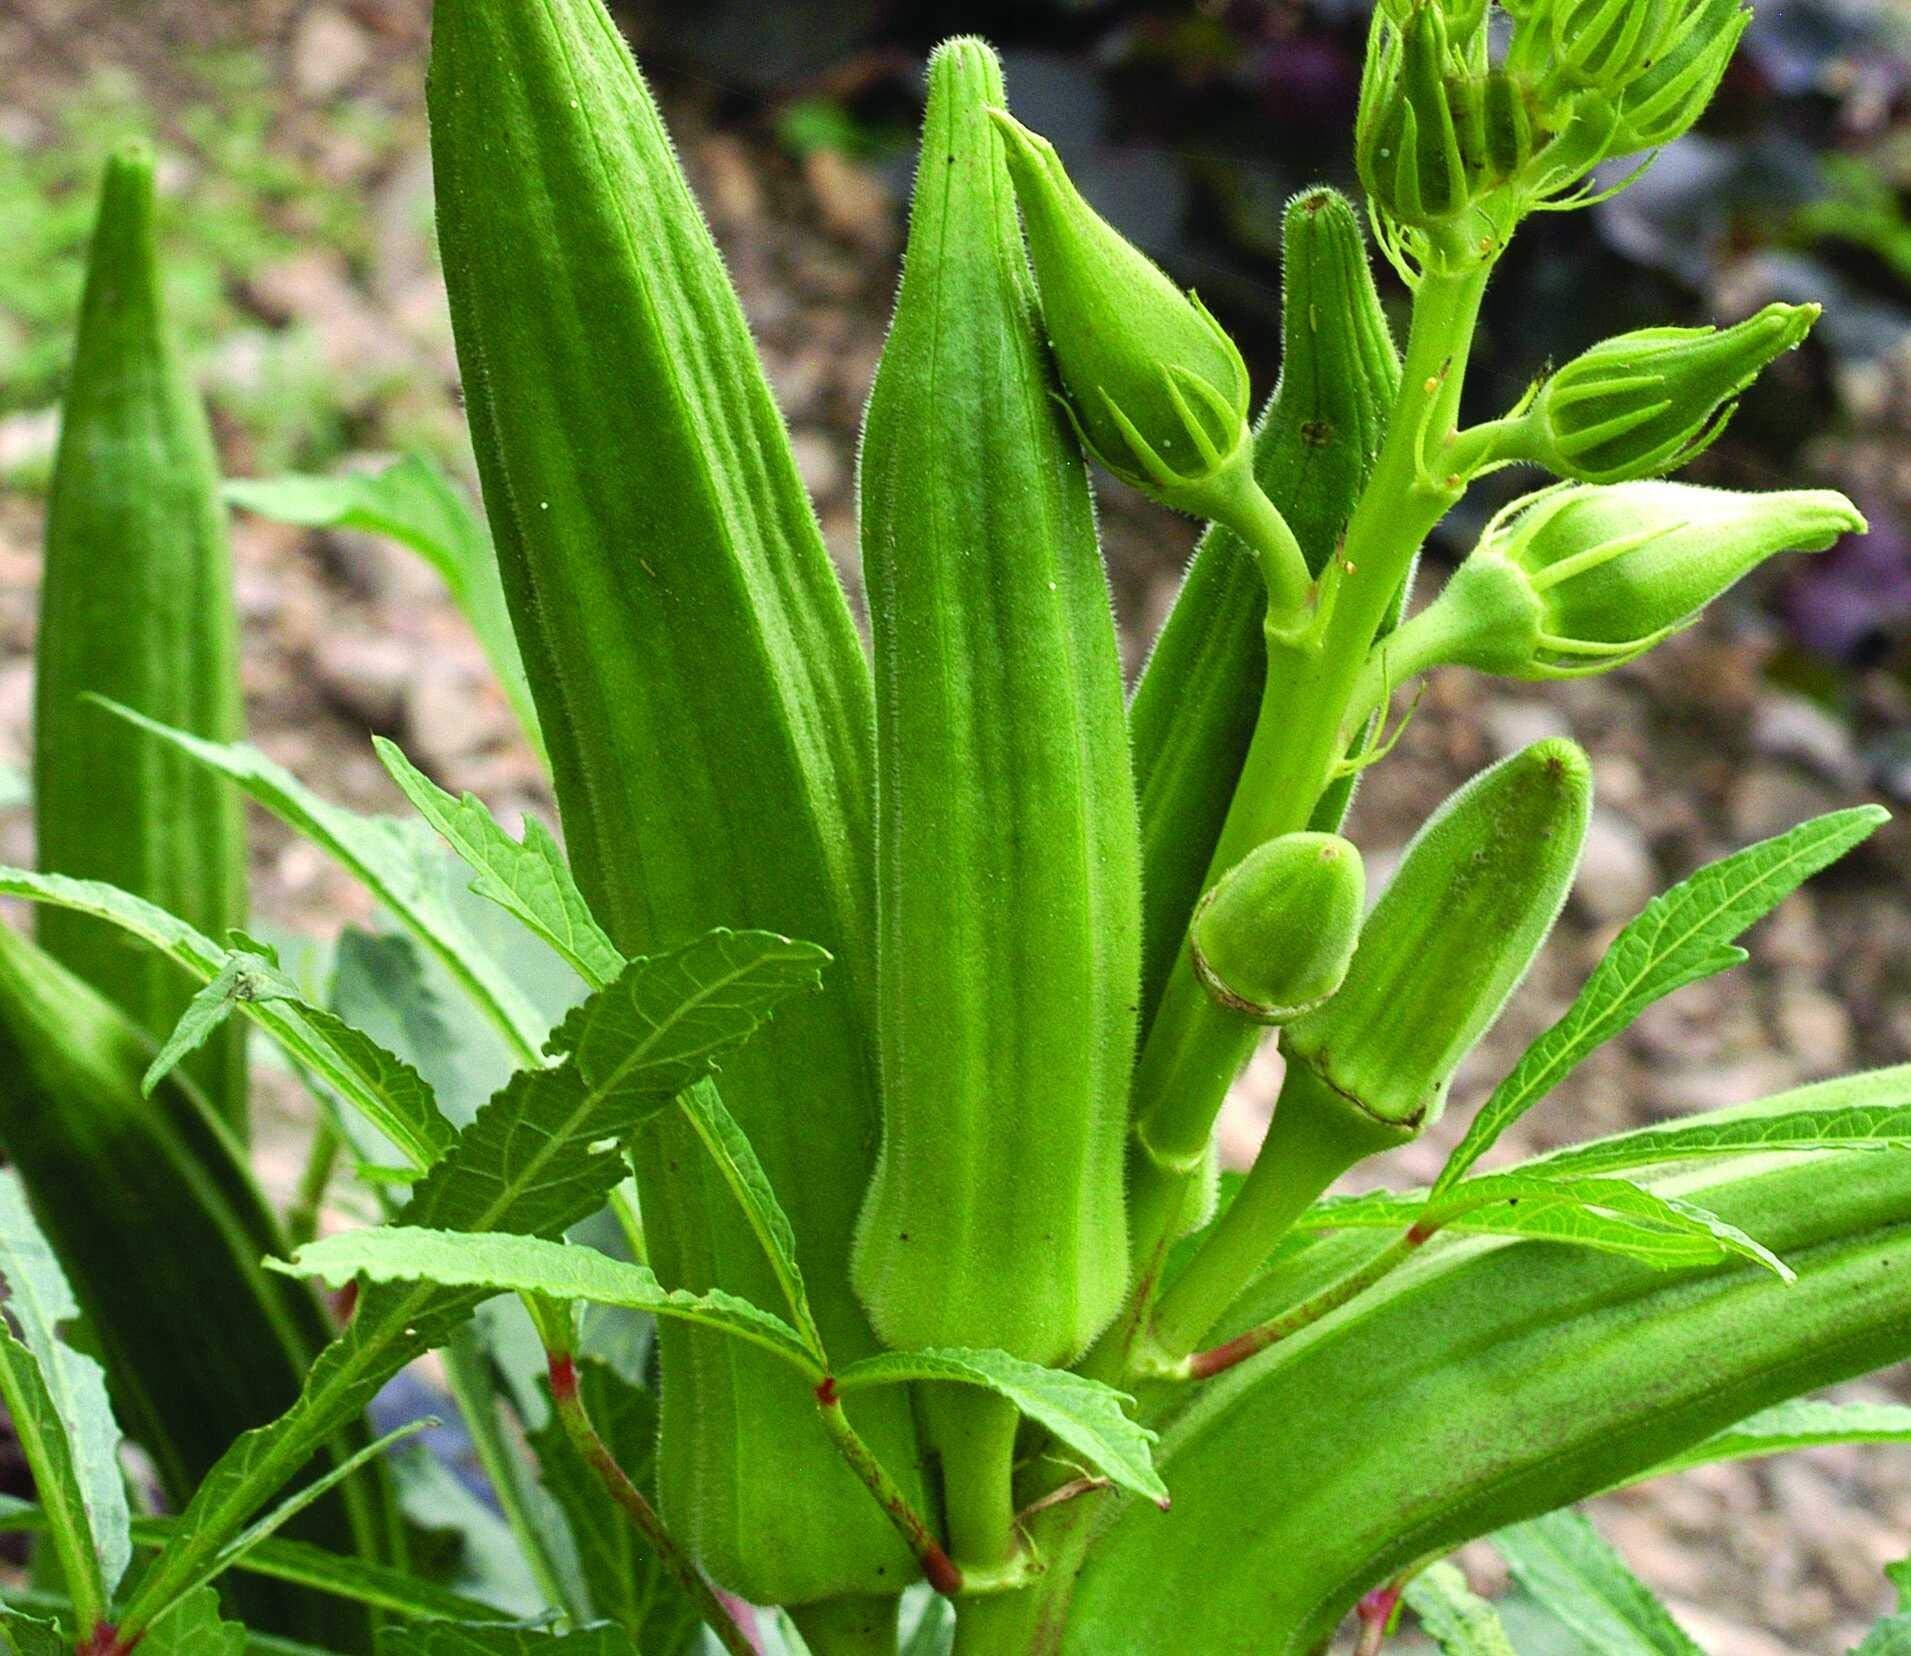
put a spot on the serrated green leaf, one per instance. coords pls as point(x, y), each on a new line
point(395, 860)
point(538, 1158)
point(502, 1639)
point(1458, 1620)
point(389, 1094)
point(1891, 1637)
point(1574, 1573)
point(532, 1265)
point(23, 1635)
point(381, 985)
point(242, 976)
point(1804, 1423)
point(1871, 1111)
point(194, 1627)
point(1089, 1417)
point(1613, 1215)
point(49, 1456)
point(413, 503)
point(40, 1302)
point(730, 1150)
point(1681, 936)
point(529, 878)
point(626, 1581)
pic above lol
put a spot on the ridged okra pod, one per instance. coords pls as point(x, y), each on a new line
point(136, 604)
point(161, 1231)
point(1008, 867)
point(1194, 709)
point(707, 707)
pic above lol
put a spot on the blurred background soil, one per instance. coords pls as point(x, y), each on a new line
point(304, 278)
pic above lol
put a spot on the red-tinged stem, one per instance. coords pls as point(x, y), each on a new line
point(1376, 1613)
point(569, 1405)
point(938, 1569)
point(1203, 1365)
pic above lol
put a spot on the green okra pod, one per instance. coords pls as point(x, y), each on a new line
point(1273, 938)
point(707, 707)
point(136, 605)
point(1194, 708)
point(1008, 865)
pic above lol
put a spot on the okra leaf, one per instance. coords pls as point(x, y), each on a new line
point(413, 503)
point(502, 1639)
point(1455, 1617)
point(540, 1156)
point(49, 1456)
point(730, 1150)
point(531, 1265)
point(1803, 1423)
point(1089, 1417)
point(386, 1091)
point(40, 1301)
point(1890, 1637)
point(1681, 936)
point(24, 1635)
point(529, 878)
point(194, 1627)
point(242, 976)
point(393, 858)
point(1613, 1215)
point(1574, 1573)
point(932, 1632)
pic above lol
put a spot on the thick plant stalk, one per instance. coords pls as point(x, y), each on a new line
point(708, 712)
point(1484, 1383)
point(1194, 709)
point(136, 604)
point(1007, 892)
point(161, 1231)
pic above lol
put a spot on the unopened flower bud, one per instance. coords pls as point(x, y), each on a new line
point(1156, 389)
point(1273, 938)
point(1670, 91)
point(1581, 578)
point(1451, 937)
point(1407, 140)
point(1649, 401)
point(1604, 43)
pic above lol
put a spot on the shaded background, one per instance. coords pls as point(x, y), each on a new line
point(303, 275)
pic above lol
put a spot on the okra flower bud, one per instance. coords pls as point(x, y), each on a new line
point(1671, 91)
point(1273, 938)
point(1578, 579)
point(1451, 936)
point(1155, 388)
point(1648, 401)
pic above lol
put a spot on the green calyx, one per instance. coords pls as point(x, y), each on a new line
point(1581, 578)
point(1274, 937)
point(1155, 388)
point(1649, 401)
point(1451, 937)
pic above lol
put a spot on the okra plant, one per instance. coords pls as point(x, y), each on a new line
point(863, 1039)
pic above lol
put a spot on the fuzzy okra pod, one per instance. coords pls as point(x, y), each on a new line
point(1008, 891)
point(136, 605)
point(1008, 895)
point(707, 707)
point(1194, 709)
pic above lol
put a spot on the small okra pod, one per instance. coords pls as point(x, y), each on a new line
point(1273, 938)
point(1451, 937)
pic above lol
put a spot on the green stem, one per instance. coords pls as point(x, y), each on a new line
point(1308, 717)
point(937, 1569)
point(1314, 1138)
point(468, 1378)
point(973, 1431)
point(847, 1626)
point(683, 1570)
point(1204, 1365)
point(321, 1159)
